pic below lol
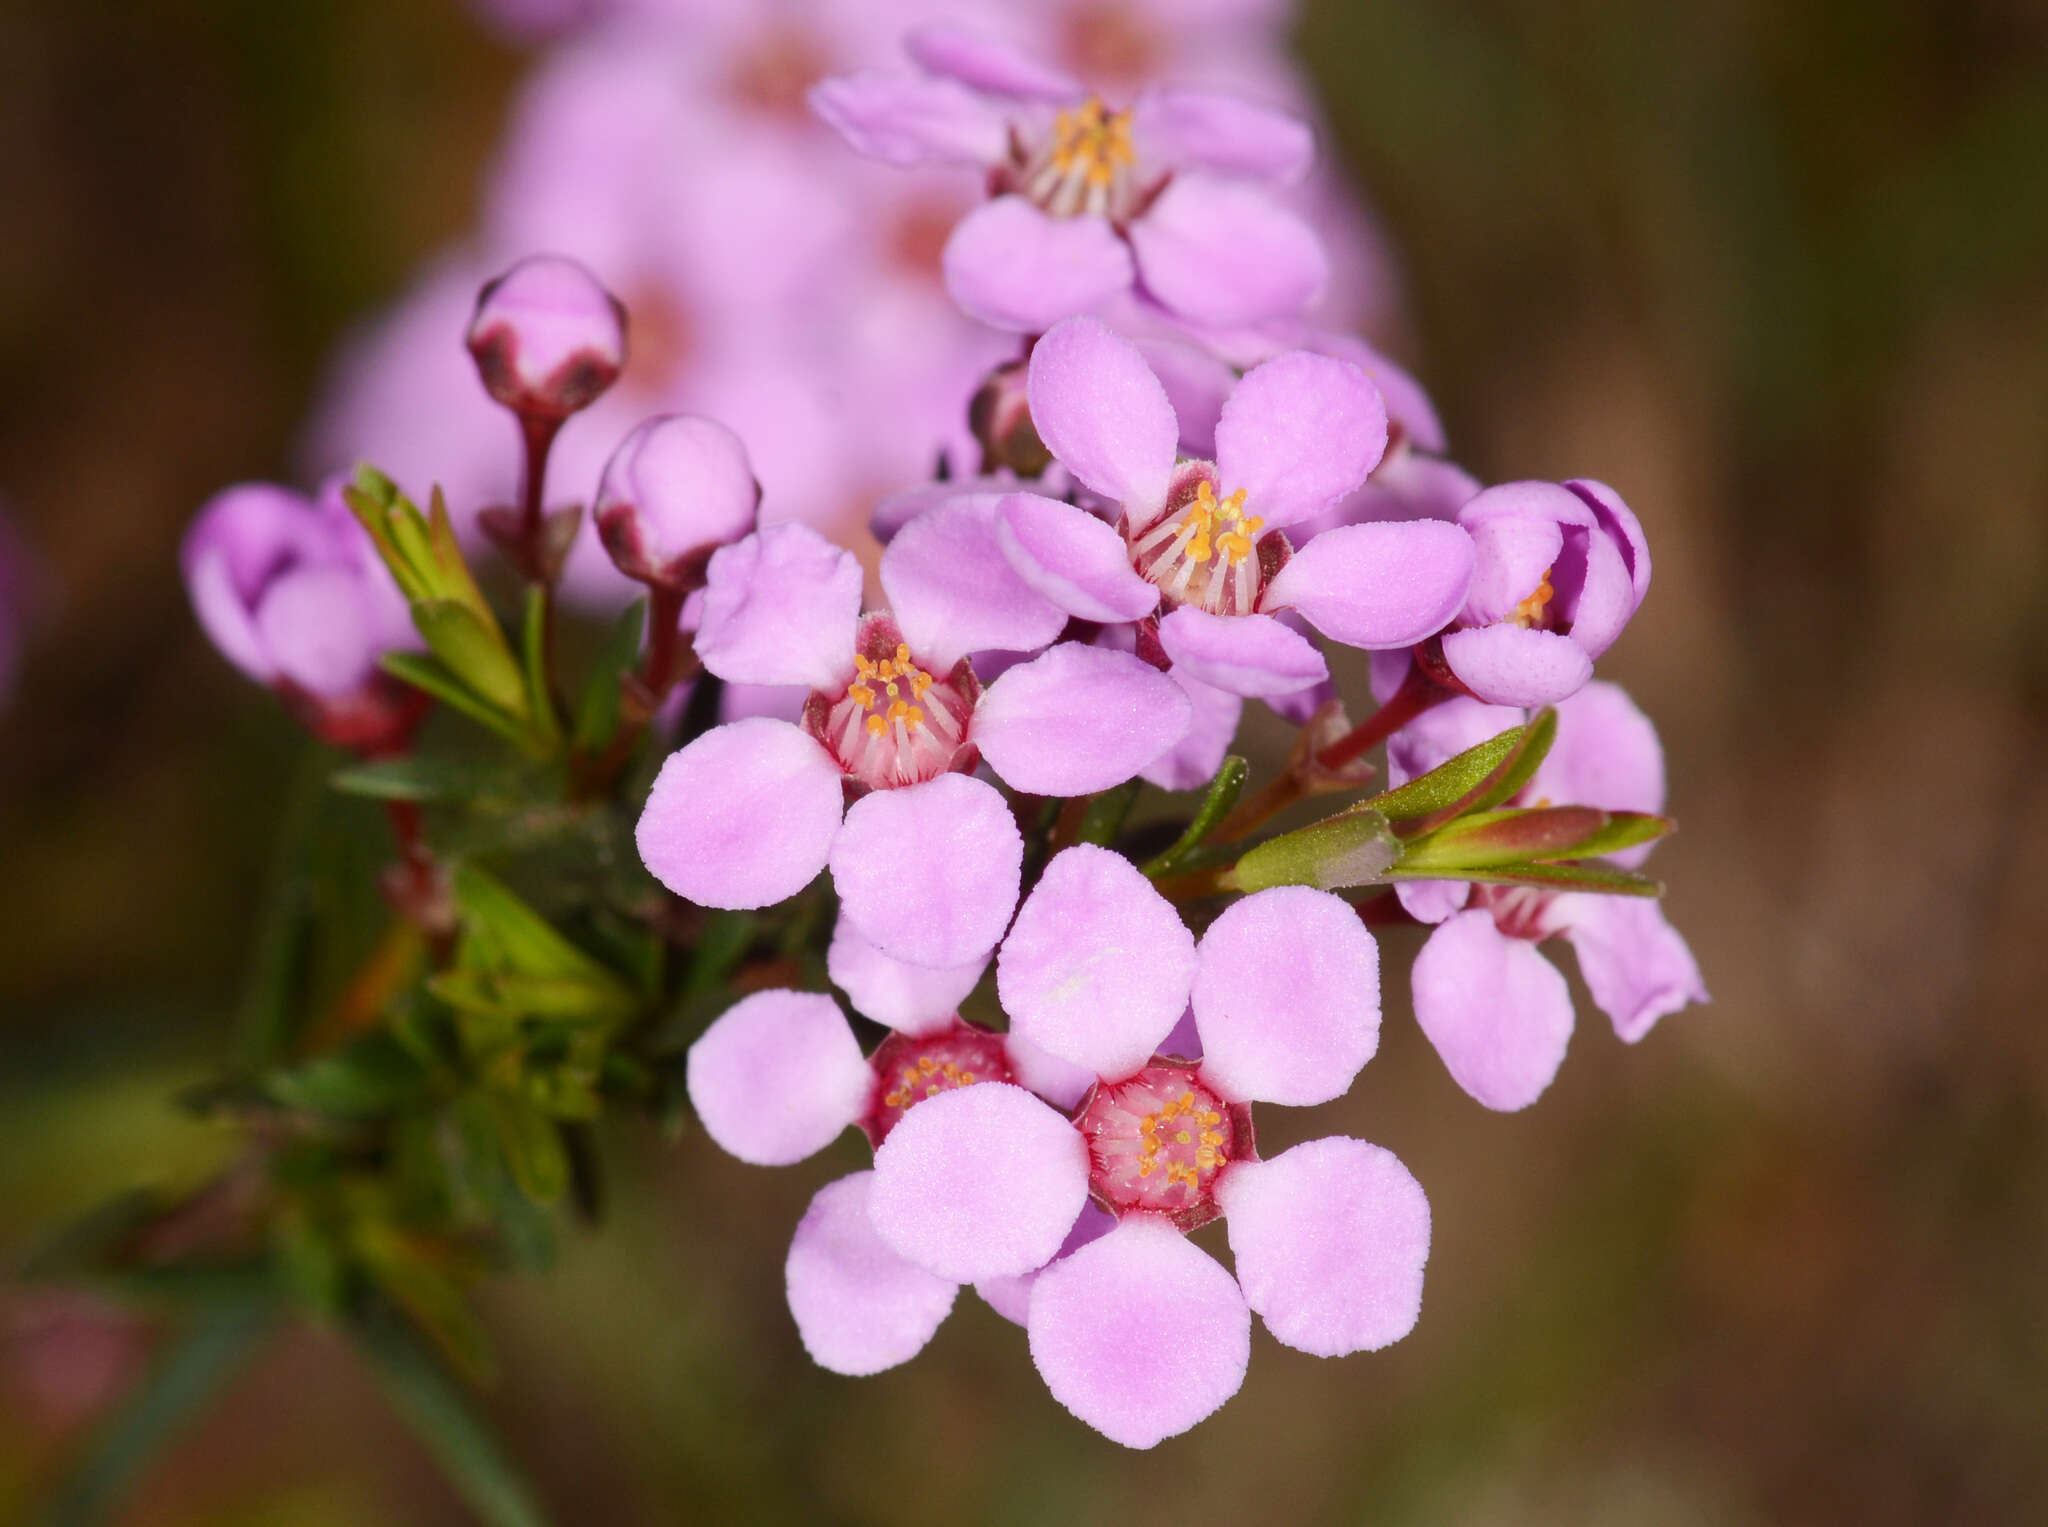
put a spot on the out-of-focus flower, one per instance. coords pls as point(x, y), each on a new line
point(547, 338)
point(677, 489)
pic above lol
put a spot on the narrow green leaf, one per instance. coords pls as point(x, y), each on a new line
point(1487, 838)
point(428, 674)
point(1221, 795)
point(1104, 817)
point(509, 995)
point(533, 642)
point(1560, 877)
point(451, 568)
point(1350, 849)
point(1448, 783)
point(533, 1148)
point(597, 714)
point(370, 1076)
point(1624, 829)
point(523, 940)
point(274, 994)
point(475, 652)
point(1537, 738)
point(422, 779)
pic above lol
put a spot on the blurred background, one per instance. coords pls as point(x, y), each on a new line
point(1778, 272)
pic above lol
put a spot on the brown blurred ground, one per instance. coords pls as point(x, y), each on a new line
point(1779, 273)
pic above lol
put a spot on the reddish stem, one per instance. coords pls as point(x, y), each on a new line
point(1418, 692)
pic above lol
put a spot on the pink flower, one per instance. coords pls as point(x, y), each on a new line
point(547, 338)
point(677, 488)
point(927, 858)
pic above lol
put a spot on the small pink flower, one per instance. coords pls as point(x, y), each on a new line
point(547, 338)
point(677, 488)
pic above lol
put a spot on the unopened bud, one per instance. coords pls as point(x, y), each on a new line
point(677, 488)
point(1000, 416)
point(547, 337)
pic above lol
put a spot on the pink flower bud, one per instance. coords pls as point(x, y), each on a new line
point(547, 337)
point(676, 489)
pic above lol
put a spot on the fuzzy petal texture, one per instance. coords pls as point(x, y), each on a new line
point(1506, 664)
point(911, 999)
point(1377, 585)
point(1510, 558)
point(1140, 1334)
point(980, 1182)
point(1072, 558)
point(1060, 1082)
point(988, 64)
point(1298, 434)
point(1206, 129)
point(1431, 901)
point(901, 119)
point(1101, 411)
point(742, 817)
point(1330, 1239)
point(1222, 252)
point(953, 591)
point(1011, 1297)
point(1197, 383)
point(1498, 1013)
point(1014, 267)
point(1193, 761)
point(780, 608)
point(777, 1075)
point(1097, 967)
point(1622, 526)
point(681, 484)
point(1287, 997)
point(1246, 654)
point(859, 1307)
point(929, 873)
point(1078, 719)
point(1636, 965)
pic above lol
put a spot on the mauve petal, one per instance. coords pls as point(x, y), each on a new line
point(1197, 384)
point(682, 484)
point(224, 616)
point(1078, 719)
point(904, 120)
point(780, 608)
point(1606, 755)
point(1245, 654)
point(1379, 585)
point(1509, 558)
point(1498, 1012)
point(1072, 558)
point(1193, 761)
point(1206, 129)
point(980, 1182)
point(1013, 267)
point(316, 626)
point(1636, 965)
point(1621, 524)
point(859, 1307)
point(1528, 499)
point(1330, 1240)
point(1097, 966)
point(1060, 1082)
point(1011, 1297)
point(988, 63)
point(777, 1075)
point(953, 591)
point(1221, 252)
point(912, 999)
point(1298, 434)
point(929, 873)
point(1101, 411)
point(1406, 486)
point(1506, 664)
point(1600, 606)
point(1287, 997)
point(743, 817)
point(1431, 901)
point(1141, 1334)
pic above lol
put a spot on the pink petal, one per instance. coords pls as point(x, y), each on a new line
point(1498, 1012)
point(1636, 965)
point(1197, 383)
point(1013, 267)
point(1298, 434)
point(1194, 760)
point(1140, 1334)
point(1225, 253)
point(929, 873)
point(953, 592)
point(1287, 997)
point(980, 1182)
point(1379, 585)
point(1011, 1297)
point(1330, 1240)
point(1060, 1082)
point(1506, 664)
point(1072, 558)
point(316, 626)
point(1101, 411)
point(912, 999)
point(1097, 966)
point(988, 63)
point(1509, 559)
point(742, 817)
point(780, 608)
point(1078, 719)
point(903, 120)
point(1431, 901)
point(1622, 527)
point(1606, 755)
point(1206, 129)
point(1245, 654)
point(1593, 592)
point(859, 1307)
point(777, 1075)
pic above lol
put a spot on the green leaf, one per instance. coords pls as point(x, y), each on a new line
point(1221, 795)
point(1104, 817)
point(1487, 838)
point(533, 1148)
point(274, 996)
point(1350, 849)
point(1448, 783)
point(370, 1076)
point(441, 1415)
point(497, 994)
point(1558, 877)
point(424, 779)
point(418, 1277)
point(474, 651)
point(518, 937)
point(428, 674)
point(597, 715)
point(1537, 738)
point(540, 698)
point(1624, 829)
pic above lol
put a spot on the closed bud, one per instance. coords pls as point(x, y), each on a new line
point(1000, 416)
point(677, 488)
point(547, 337)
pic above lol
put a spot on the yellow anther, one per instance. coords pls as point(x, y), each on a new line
point(885, 670)
point(1212, 1137)
point(1530, 610)
point(1145, 1168)
point(967, 1078)
point(932, 1090)
point(1212, 1117)
point(1092, 139)
point(920, 681)
point(927, 1065)
point(863, 695)
point(876, 726)
point(1182, 1137)
point(903, 654)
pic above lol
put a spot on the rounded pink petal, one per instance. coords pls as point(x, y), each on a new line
point(1287, 997)
point(1078, 719)
point(1206, 129)
point(1637, 966)
point(1221, 252)
point(1431, 901)
point(953, 592)
point(1194, 760)
point(1140, 1334)
point(1377, 585)
point(1507, 664)
point(1011, 1297)
point(980, 1182)
point(1510, 556)
point(742, 817)
point(1623, 528)
point(1060, 1082)
point(777, 1075)
point(929, 873)
point(903, 120)
point(1072, 558)
point(1245, 654)
point(988, 63)
point(780, 608)
point(1101, 411)
point(1198, 383)
point(1013, 267)
point(1330, 1240)
point(1298, 434)
point(859, 1307)
point(1097, 966)
point(912, 999)
point(315, 624)
point(1498, 1012)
